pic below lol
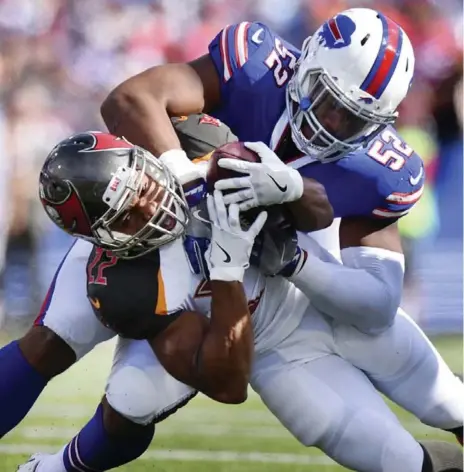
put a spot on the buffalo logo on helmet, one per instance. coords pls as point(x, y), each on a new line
point(336, 33)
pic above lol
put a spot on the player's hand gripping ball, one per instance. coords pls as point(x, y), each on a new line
point(237, 150)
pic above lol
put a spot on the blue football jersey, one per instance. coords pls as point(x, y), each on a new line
point(382, 180)
point(251, 62)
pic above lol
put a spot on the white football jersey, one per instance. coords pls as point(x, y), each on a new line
point(276, 305)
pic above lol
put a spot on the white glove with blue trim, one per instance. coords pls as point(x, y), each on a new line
point(269, 182)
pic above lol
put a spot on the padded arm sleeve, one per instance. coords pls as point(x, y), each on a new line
point(365, 290)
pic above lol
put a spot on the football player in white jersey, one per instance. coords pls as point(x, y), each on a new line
point(330, 370)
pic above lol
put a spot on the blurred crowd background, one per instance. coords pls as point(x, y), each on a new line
point(59, 58)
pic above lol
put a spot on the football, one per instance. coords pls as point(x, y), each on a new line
point(214, 173)
point(232, 151)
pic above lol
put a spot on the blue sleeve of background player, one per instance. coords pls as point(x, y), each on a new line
point(232, 48)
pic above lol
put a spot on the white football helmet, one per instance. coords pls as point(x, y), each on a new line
point(349, 81)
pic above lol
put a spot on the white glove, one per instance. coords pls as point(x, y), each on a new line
point(268, 183)
point(229, 253)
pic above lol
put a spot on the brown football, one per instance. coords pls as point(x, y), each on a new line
point(237, 150)
point(232, 151)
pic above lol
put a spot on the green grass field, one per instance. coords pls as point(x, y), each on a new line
point(204, 436)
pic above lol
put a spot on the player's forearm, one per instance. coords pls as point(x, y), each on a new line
point(312, 211)
point(139, 108)
point(224, 361)
point(140, 118)
point(364, 291)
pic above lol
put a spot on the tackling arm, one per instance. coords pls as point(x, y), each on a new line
point(139, 108)
point(371, 194)
point(366, 289)
point(271, 182)
point(312, 211)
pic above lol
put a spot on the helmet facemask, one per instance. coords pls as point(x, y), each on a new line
point(169, 220)
point(326, 122)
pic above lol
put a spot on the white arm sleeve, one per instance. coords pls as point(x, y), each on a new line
point(365, 290)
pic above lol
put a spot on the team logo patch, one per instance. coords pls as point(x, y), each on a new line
point(336, 33)
point(209, 120)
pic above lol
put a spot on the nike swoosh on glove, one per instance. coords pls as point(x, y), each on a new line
point(269, 182)
point(229, 253)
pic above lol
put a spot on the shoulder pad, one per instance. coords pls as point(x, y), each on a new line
point(201, 134)
point(383, 180)
point(231, 49)
point(127, 294)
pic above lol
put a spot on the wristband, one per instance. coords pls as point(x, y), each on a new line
point(180, 165)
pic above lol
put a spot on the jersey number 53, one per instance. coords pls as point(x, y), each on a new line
point(275, 61)
point(394, 158)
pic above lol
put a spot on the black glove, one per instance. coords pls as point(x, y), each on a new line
point(275, 248)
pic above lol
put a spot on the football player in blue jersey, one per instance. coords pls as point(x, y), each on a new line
point(327, 111)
